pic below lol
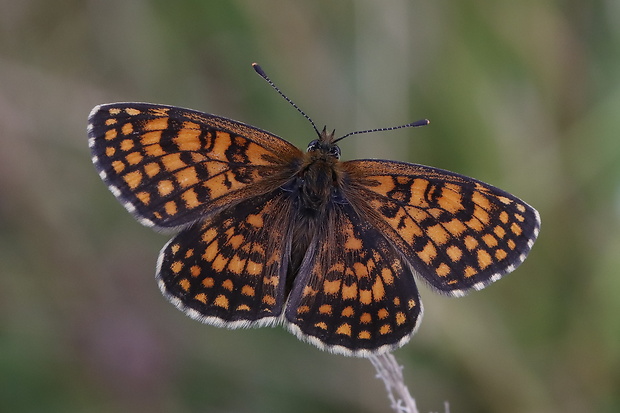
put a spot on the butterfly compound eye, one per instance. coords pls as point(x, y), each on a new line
point(313, 145)
point(335, 151)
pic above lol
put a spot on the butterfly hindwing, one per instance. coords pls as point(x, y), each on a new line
point(171, 166)
point(457, 232)
point(230, 270)
point(353, 293)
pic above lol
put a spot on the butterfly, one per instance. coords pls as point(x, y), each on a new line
point(269, 234)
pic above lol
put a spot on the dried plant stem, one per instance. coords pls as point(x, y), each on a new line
point(391, 373)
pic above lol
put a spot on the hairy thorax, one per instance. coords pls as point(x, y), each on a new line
point(318, 181)
point(316, 187)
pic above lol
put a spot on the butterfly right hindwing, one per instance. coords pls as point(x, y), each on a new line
point(353, 294)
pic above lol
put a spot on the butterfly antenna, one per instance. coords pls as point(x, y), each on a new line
point(262, 74)
point(422, 122)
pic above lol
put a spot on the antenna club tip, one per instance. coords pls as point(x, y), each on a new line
point(421, 122)
point(258, 69)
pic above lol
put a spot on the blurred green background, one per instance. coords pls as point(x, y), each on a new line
point(524, 95)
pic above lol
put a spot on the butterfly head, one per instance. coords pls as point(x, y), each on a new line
point(325, 145)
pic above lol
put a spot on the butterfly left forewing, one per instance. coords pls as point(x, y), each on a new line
point(457, 232)
point(354, 294)
point(171, 166)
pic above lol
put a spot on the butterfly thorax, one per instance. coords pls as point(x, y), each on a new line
point(319, 175)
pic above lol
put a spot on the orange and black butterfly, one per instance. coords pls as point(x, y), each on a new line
point(273, 235)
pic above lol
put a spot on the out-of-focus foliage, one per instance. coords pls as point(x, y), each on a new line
point(523, 95)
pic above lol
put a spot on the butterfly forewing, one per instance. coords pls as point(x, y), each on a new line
point(171, 166)
point(231, 269)
point(457, 232)
point(354, 294)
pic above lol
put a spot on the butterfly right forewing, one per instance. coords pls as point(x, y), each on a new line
point(457, 232)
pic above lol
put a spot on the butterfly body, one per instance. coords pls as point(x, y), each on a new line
point(314, 186)
point(273, 235)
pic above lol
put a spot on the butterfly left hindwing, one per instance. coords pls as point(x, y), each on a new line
point(230, 270)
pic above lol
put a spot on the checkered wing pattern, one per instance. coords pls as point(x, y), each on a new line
point(269, 234)
point(230, 270)
point(458, 233)
point(354, 294)
point(170, 166)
